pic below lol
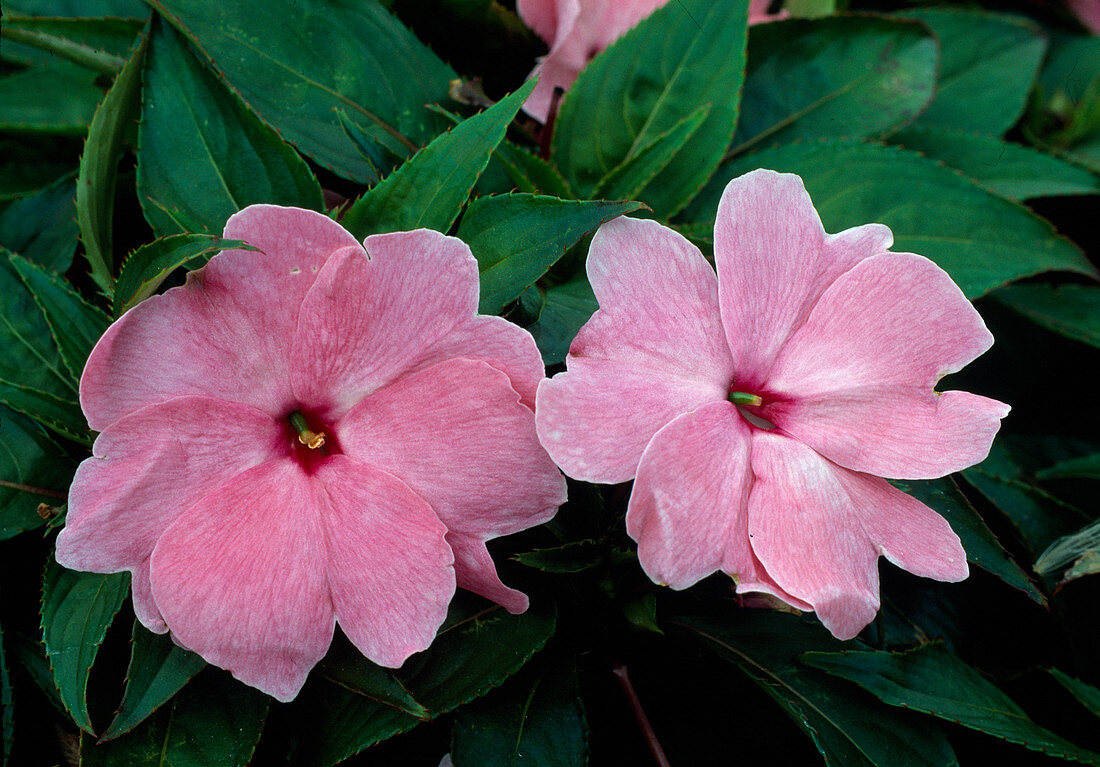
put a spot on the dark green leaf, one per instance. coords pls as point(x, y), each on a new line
point(60, 415)
point(7, 713)
point(474, 652)
point(536, 725)
point(95, 191)
point(58, 97)
point(1070, 310)
point(29, 463)
point(96, 44)
point(77, 608)
point(31, 655)
point(1011, 170)
point(848, 727)
point(851, 76)
point(1086, 466)
point(27, 166)
point(42, 226)
point(570, 557)
point(372, 67)
point(517, 237)
point(632, 176)
point(686, 55)
point(146, 268)
point(30, 356)
point(568, 306)
point(982, 240)
point(430, 189)
point(1086, 693)
point(641, 611)
point(933, 680)
point(75, 324)
point(1081, 549)
point(159, 668)
point(982, 547)
point(214, 721)
point(988, 63)
point(234, 159)
point(80, 8)
point(1069, 116)
point(530, 173)
point(348, 668)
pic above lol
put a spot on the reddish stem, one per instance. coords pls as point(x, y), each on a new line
point(619, 670)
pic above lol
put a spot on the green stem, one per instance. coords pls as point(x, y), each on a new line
point(104, 63)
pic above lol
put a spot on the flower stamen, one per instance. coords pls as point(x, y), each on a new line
point(741, 398)
point(311, 439)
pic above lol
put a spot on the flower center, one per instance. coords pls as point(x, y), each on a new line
point(741, 398)
point(744, 401)
point(314, 440)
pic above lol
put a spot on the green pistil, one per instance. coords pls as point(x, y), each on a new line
point(311, 439)
point(741, 398)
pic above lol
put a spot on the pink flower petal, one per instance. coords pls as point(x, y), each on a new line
point(476, 572)
point(688, 510)
point(390, 570)
point(774, 261)
point(145, 607)
point(241, 578)
point(758, 12)
point(546, 17)
point(414, 303)
point(819, 529)
point(208, 337)
point(855, 381)
point(151, 465)
point(457, 434)
point(1088, 11)
point(654, 349)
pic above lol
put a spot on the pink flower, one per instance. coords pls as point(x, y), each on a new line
point(576, 30)
point(1088, 11)
point(247, 537)
point(757, 409)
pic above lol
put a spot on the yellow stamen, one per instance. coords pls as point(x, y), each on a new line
point(312, 439)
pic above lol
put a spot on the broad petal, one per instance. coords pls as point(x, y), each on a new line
point(856, 381)
point(389, 568)
point(476, 572)
point(819, 529)
point(145, 607)
point(148, 467)
point(226, 333)
point(547, 17)
point(774, 260)
point(366, 322)
point(596, 419)
point(688, 508)
point(457, 434)
point(758, 12)
point(240, 578)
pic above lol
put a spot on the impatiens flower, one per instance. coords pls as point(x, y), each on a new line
point(576, 30)
point(320, 432)
point(758, 409)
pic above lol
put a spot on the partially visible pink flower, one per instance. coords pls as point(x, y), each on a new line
point(758, 409)
point(1088, 11)
point(576, 30)
point(249, 536)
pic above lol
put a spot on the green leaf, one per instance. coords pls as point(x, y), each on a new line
point(75, 324)
point(79, 8)
point(372, 67)
point(632, 176)
point(1069, 310)
point(95, 191)
point(684, 56)
point(539, 724)
point(42, 226)
point(1088, 695)
point(29, 462)
point(641, 611)
point(96, 44)
point(474, 652)
point(848, 727)
point(214, 721)
point(516, 238)
point(981, 545)
point(58, 97)
point(933, 680)
point(347, 667)
point(430, 189)
point(568, 306)
point(30, 356)
point(1068, 117)
point(31, 655)
point(531, 174)
point(159, 668)
point(1086, 466)
point(1011, 170)
point(988, 63)
point(234, 159)
point(29, 163)
point(572, 557)
point(1081, 548)
point(7, 713)
point(851, 76)
point(146, 268)
point(983, 241)
point(77, 608)
point(60, 415)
